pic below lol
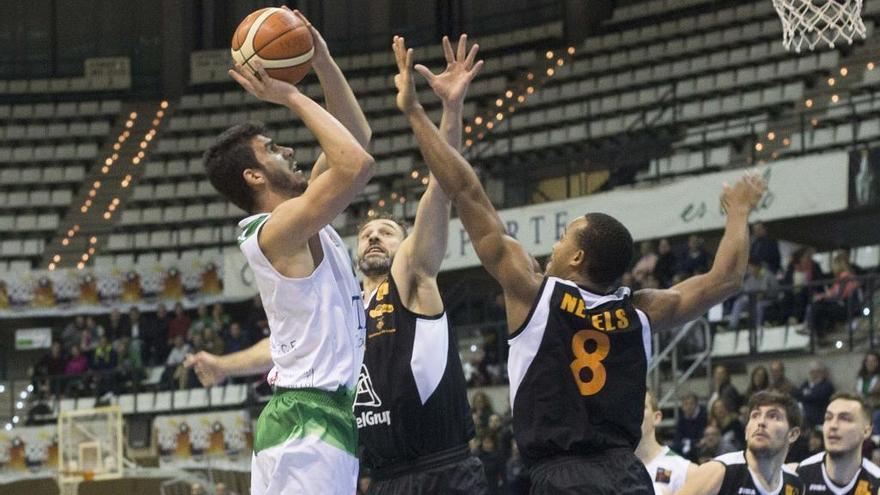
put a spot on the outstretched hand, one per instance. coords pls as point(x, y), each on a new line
point(451, 85)
point(745, 194)
point(407, 99)
point(206, 366)
point(257, 82)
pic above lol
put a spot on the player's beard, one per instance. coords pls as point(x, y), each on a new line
point(286, 182)
point(375, 266)
point(838, 455)
point(765, 452)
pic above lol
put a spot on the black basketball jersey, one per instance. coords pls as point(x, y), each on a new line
point(739, 480)
point(411, 395)
point(812, 472)
point(577, 370)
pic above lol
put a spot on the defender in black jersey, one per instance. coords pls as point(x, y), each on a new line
point(579, 344)
point(411, 408)
point(774, 424)
point(841, 469)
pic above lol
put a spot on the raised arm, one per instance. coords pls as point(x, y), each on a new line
point(693, 297)
point(338, 96)
point(212, 369)
point(421, 254)
point(502, 256)
point(294, 221)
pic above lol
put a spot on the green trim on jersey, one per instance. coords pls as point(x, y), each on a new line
point(298, 413)
point(251, 227)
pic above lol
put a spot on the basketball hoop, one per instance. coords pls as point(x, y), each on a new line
point(810, 22)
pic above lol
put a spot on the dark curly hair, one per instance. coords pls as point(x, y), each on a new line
point(227, 159)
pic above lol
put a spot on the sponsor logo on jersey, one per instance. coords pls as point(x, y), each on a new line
point(747, 491)
point(663, 475)
point(863, 488)
point(370, 418)
point(790, 490)
point(366, 395)
point(817, 487)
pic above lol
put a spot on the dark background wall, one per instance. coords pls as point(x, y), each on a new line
point(52, 38)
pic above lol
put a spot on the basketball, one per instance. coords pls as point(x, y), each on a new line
point(278, 39)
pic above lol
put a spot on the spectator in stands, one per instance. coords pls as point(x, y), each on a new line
point(235, 341)
point(116, 326)
point(220, 489)
point(104, 362)
point(134, 324)
point(647, 262)
point(255, 323)
point(364, 482)
point(51, 366)
point(868, 385)
point(178, 325)
point(159, 349)
point(72, 332)
point(173, 365)
point(728, 423)
point(712, 444)
point(665, 267)
point(196, 489)
point(815, 393)
point(78, 363)
point(689, 427)
point(764, 250)
point(219, 317)
point(846, 254)
point(696, 259)
point(201, 321)
point(759, 286)
point(77, 366)
point(838, 302)
point(778, 381)
point(88, 340)
point(724, 390)
point(481, 409)
point(815, 443)
point(801, 271)
point(145, 329)
point(759, 381)
point(131, 366)
point(211, 341)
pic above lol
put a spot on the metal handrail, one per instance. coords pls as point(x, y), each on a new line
point(672, 351)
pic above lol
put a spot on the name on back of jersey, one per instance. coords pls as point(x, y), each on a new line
point(604, 321)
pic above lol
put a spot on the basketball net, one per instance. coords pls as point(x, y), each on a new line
point(810, 22)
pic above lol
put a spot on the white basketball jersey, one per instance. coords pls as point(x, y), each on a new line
point(317, 323)
point(668, 470)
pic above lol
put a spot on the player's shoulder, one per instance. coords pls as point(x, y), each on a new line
point(871, 468)
point(732, 459)
point(815, 459)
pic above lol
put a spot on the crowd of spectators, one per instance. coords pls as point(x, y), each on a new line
point(112, 354)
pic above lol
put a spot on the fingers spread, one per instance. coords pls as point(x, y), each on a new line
point(462, 47)
point(472, 55)
point(241, 80)
point(425, 72)
point(447, 50)
point(475, 69)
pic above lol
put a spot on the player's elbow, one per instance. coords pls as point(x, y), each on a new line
point(363, 168)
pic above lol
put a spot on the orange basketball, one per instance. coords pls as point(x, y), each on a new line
point(278, 39)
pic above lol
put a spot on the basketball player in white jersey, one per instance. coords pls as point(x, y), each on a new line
point(306, 437)
point(579, 344)
point(668, 470)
